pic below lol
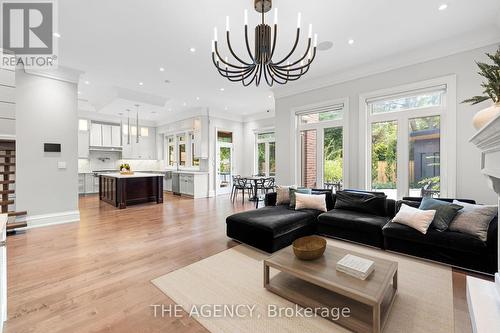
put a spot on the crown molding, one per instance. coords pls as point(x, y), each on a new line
point(437, 50)
point(259, 116)
point(61, 73)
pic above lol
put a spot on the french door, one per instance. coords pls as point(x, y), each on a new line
point(266, 154)
point(224, 162)
point(405, 155)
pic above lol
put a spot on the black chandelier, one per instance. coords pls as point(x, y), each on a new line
point(262, 64)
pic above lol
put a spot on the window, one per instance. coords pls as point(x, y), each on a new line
point(226, 137)
point(406, 142)
point(321, 146)
point(83, 125)
point(133, 130)
point(170, 151)
point(182, 156)
point(266, 154)
point(195, 161)
point(416, 100)
point(144, 131)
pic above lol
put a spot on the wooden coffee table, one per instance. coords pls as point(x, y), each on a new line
point(317, 284)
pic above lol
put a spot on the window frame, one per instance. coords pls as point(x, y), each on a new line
point(320, 127)
point(447, 113)
point(267, 150)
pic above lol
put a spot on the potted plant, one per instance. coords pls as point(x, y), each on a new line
point(491, 72)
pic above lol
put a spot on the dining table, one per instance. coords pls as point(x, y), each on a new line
point(255, 180)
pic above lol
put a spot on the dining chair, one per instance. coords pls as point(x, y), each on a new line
point(243, 184)
point(233, 187)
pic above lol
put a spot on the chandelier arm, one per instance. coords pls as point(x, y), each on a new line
point(252, 80)
point(288, 69)
point(293, 48)
point(285, 77)
point(216, 63)
point(292, 77)
point(236, 77)
point(269, 80)
point(259, 75)
point(306, 53)
point(275, 77)
point(248, 45)
point(251, 73)
point(232, 52)
point(275, 35)
point(223, 61)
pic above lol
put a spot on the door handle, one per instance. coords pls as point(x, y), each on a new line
point(3, 243)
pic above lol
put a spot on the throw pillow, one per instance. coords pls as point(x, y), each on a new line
point(363, 202)
point(445, 212)
point(310, 201)
point(330, 198)
point(282, 195)
point(297, 190)
point(474, 220)
point(415, 218)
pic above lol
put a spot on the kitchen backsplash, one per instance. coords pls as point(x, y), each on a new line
point(111, 160)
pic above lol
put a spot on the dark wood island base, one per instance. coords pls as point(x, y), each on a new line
point(122, 190)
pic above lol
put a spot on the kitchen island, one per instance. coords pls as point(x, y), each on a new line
point(121, 190)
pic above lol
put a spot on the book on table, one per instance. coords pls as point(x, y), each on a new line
point(356, 266)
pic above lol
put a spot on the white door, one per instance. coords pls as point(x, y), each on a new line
point(224, 167)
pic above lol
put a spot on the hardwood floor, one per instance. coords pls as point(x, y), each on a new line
point(94, 276)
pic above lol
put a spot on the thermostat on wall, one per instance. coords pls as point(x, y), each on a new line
point(52, 147)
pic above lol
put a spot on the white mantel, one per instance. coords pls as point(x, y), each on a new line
point(483, 297)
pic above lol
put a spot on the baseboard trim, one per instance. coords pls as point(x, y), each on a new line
point(44, 220)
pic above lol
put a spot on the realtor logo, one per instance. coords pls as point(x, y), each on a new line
point(28, 32)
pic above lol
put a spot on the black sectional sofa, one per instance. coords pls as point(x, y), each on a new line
point(276, 226)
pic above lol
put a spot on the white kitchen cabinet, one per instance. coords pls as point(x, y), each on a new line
point(106, 135)
point(95, 135)
point(144, 150)
point(116, 136)
point(81, 183)
point(89, 183)
point(193, 184)
point(201, 134)
point(83, 144)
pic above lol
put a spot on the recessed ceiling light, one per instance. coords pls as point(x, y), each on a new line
point(350, 41)
point(221, 89)
point(56, 35)
point(197, 98)
point(184, 104)
point(87, 82)
point(162, 69)
point(79, 93)
point(270, 96)
point(192, 50)
point(443, 6)
point(225, 108)
point(141, 83)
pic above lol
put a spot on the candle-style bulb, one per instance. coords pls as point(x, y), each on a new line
point(215, 34)
point(246, 16)
point(276, 16)
point(213, 46)
point(299, 19)
point(315, 40)
point(227, 23)
point(310, 30)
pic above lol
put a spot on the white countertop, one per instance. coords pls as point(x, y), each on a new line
point(135, 175)
point(188, 172)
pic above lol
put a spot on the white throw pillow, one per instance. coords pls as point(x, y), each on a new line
point(283, 195)
point(310, 201)
point(415, 218)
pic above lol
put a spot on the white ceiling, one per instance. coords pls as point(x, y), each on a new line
point(119, 43)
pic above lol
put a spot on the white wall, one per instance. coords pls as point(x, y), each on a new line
point(470, 182)
point(46, 112)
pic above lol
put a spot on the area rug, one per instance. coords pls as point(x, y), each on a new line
point(424, 302)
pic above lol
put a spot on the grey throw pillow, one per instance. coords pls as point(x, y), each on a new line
point(297, 190)
point(474, 220)
point(445, 212)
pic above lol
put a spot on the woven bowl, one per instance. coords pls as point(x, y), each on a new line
point(309, 247)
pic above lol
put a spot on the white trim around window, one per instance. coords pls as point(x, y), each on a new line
point(447, 113)
point(320, 126)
